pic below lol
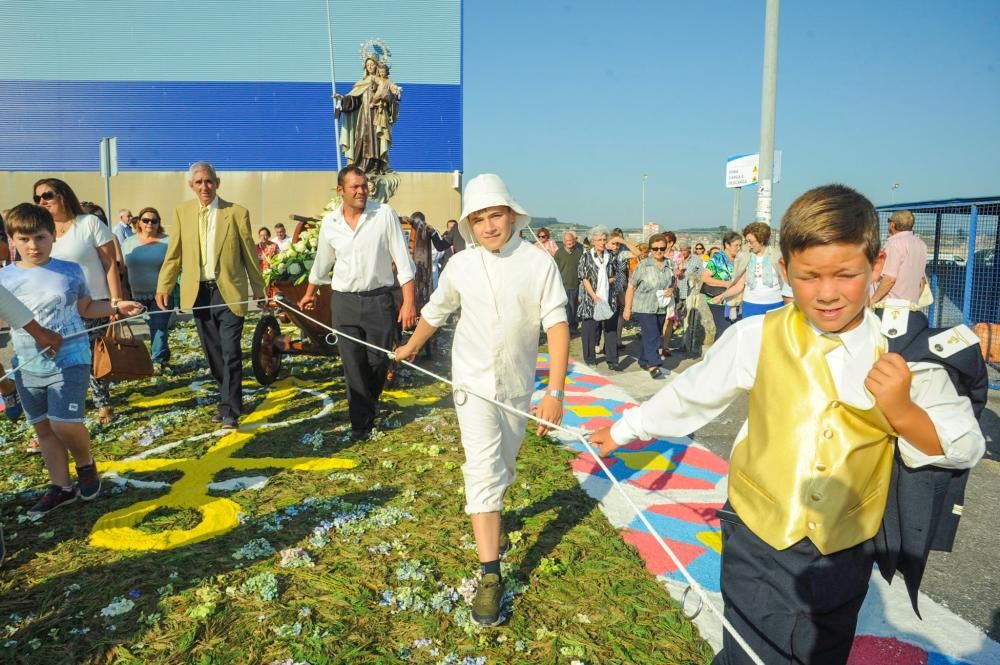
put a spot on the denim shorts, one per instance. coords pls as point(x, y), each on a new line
point(61, 396)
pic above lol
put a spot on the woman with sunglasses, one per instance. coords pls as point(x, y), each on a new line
point(650, 297)
point(86, 241)
point(545, 241)
point(144, 255)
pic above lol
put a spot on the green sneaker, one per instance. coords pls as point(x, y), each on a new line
point(486, 604)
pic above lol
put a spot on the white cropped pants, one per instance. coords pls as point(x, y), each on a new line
point(491, 438)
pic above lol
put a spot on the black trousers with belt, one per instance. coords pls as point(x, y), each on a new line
point(793, 606)
point(370, 316)
point(221, 332)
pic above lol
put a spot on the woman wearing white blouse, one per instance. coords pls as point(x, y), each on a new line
point(86, 241)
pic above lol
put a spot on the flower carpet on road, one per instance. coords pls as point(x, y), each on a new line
point(285, 542)
point(679, 484)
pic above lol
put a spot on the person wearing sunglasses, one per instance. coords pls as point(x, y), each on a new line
point(545, 241)
point(650, 297)
point(144, 254)
point(85, 240)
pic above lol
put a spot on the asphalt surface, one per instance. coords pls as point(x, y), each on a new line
point(966, 581)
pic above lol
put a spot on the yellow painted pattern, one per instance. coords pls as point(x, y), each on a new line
point(117, 530)
point(646, 461)
point(403, 398)
point(712, 540)
point(589, 410)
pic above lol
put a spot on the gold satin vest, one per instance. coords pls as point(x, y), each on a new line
point(810, 466)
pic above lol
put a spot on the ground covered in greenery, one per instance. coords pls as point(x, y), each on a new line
point(373, 564)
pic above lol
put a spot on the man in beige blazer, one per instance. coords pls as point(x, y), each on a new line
point(212, 247)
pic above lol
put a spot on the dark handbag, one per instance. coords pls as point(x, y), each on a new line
point(119, 358)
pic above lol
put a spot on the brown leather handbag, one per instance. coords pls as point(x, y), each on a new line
point(121, 357)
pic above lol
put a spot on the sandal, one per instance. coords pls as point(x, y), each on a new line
point(105, 415)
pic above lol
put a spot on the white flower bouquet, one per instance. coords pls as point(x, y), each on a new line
point(292, 265)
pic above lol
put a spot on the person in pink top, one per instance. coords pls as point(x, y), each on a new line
point(545, 241)
point(905, 261)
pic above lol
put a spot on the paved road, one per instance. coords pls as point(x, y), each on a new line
point(967, 580)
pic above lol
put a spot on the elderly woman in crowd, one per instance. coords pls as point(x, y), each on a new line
point(144, 254)
point(650, 298)
point(597, 300)
point(85, 240)
point(265, 248)
point(757, 274)
point(718, 276)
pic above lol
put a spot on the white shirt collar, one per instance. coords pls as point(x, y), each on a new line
point(859, 341)
point(214, 205)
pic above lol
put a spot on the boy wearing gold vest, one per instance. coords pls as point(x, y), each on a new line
point(811, 468)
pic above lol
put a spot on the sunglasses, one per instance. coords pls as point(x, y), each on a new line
point(657, 249)
point(145, 220)
point(543, 237)
point(44, 196)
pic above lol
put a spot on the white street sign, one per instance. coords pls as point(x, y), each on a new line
point(741, 170)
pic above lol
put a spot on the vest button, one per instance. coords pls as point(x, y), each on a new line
point(811, 526)
point(835, 405)
point(816, 496)
point(828, 434)
point(821, 467)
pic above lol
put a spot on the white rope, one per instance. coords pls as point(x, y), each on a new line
point(692, 584)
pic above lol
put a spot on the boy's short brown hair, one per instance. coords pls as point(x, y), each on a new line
point(827, 215)
point(28, 219)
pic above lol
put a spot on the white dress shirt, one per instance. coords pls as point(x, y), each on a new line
point(208, 262)
point(361, 258)
point(505, 297)
point(705, 390)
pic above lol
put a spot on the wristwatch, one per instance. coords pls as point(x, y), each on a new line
point(558, 394)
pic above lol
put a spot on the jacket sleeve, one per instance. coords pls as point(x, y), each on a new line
point(172, 262)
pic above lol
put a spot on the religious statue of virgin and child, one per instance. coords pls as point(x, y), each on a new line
point(369, 111)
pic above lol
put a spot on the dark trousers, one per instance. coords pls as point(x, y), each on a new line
point(572, 302)
point(221, 330)
point(722, 323)
point(588, 336)
point(651, 329)
point(792, 606)
point(373, 319)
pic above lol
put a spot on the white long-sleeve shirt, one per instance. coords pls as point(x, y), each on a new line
point(361, 258)
point(703, 391)
point(505, 299)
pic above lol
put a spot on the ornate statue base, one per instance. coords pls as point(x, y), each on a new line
point(382, 186)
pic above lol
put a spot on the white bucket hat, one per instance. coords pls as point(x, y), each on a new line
point(485, 191)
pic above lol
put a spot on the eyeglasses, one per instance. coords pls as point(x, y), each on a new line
point(657, 249)
point(146, 220)
point(44, 196)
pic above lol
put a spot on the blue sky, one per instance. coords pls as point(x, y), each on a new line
point(571, 102)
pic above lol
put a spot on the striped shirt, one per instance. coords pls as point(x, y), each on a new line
point(647, 279)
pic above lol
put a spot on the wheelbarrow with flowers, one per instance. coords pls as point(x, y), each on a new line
point(287, 276)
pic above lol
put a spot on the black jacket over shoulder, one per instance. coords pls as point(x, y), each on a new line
point(924, 505)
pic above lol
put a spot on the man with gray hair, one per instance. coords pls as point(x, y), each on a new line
point(905, 261)
point(123, 229)
point(212, 247)
point(567, 259)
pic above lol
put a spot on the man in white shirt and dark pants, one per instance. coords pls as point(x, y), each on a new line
point(359, 242)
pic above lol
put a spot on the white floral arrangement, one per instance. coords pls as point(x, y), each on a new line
point(292, 265)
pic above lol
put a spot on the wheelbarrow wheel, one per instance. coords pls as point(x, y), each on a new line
point(265, 358)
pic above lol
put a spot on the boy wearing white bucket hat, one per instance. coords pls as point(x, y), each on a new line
point(506, 289)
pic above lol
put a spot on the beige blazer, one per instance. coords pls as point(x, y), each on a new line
point(236, 266)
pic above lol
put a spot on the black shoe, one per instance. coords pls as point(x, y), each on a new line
point(217, 417)
point(229, 423)
point(360, 435)
point(88, 484)
point(655, 372)
point(52, 499)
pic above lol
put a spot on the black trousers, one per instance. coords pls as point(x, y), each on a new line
point(589, 329)
point(719, 317)
point(792, 606)
point(221, 332)
point(373, 319)
point(572, 303)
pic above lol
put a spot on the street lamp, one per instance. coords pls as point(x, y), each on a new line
point(895, 186)
point(644, 176)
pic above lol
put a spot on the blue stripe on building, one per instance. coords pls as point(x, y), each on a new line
point(238, 126)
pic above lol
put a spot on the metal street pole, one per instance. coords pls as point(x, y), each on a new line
point(892, 197)
point(737, 193)
point(769, 91)
point(644, 176)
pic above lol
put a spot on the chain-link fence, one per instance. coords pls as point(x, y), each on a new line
point(963, 244)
